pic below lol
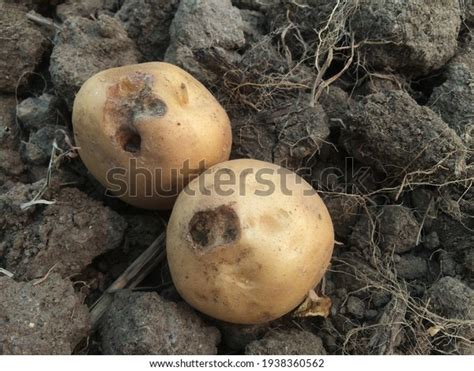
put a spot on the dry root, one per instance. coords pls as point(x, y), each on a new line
point(424, 331)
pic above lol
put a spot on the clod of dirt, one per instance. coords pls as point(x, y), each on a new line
point(336, 103)
point(387, 335)
point(469, 259)
point(252, 138)
point(396, 136)
point(263, 78)
point(85, 47)
point(466, 53)
point(252, 4)
point(454, 234)
point(453, 100)
point(287, 135)
point(287, 342)
point(364, 232)
point(37, 5)
point(10, 163)
point(398, 228)
point(9, 138)
point(344, 211)
point(413, 37)
point(411, 266)
point(37, 151)
point(431, 241)
point(199, 25)
point(74, 8)
point(424, 202)
point(147, 23)
point(23, 43)
point(452, 298)
point(385, 312)
point(375, 84)
point(144, 323)
point(355, 307)
point(351, 276)
point(36, 112)
point(467, 8)
point(142, 229)
point(63, 237)
point(45, 317)
point(263, 59)
point(448, 265)
point(253, 25)
point(298, 22)
point(301, 132)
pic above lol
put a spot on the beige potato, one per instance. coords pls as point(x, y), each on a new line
point(140, 128)
point(241, 253)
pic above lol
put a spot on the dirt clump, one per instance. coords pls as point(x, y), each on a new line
point(452, 298)
point(37, 150)
point(336, 103)
point(410, 266)
point(406, 36)
point(452, 226)
point(465, 53)
point(288, 135)
point(41, 6)
point(387, 229)
point(144, 323)
point(453, 100)
point(41, 317)
point(396, 136)
point(10, 163)
point(74, 8)
point(374, 83)
point(287, 342)
point(202, 25)
point(399, 229)
point(344, 211)
point(9, 138)
point(356, 307)
point(148, 23)
point(85, 47)
point(298, 23)
point(36, 112)
point(254, 25)
point(63, 237)
point(467, 8)
point(22, 42)
point(11, 166)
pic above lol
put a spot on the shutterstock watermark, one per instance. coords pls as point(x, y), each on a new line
point(139, 181)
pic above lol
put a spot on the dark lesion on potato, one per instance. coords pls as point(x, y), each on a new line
point(128, 101)
point(129, 139)
point(214, 227)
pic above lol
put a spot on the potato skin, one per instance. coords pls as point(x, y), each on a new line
point(152, 116)
point(263, 253)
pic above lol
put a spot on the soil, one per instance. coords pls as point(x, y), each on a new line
point(41, 317)
point(371, 104)
point(144, 323)
point(287, 342)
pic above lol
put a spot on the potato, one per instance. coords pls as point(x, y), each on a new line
point(145, 130)
point(243, 252)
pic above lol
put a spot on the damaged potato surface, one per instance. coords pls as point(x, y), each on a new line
point(247, 240)
point(144, 130)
